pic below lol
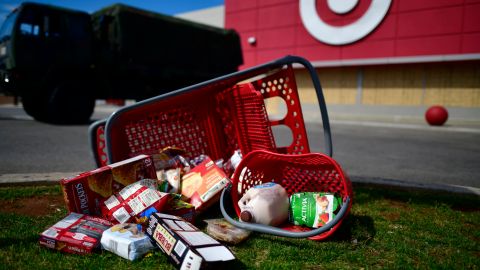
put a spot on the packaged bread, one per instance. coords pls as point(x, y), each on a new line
point(127, 241)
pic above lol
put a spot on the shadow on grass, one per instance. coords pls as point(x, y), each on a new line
point(9, 241)
point(356, 229)
point(236, 264)
point(456, 201)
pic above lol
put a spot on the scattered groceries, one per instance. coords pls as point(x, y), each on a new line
point(313, 209)
point(146, 202)
point(269, 204)
point(76, 233)
point(86, 192)
point(223, 231)
point(127, 241)
point(177, 207)
point(187, 246)
point(265, 204)
point(134, 203)
point(203, 184)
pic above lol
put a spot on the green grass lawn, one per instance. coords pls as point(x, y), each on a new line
point(387, 228)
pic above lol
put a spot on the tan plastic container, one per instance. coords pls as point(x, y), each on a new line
point(265, 204)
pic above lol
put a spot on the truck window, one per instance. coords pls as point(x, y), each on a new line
point(28, 29)
point(29, 24)
point(7, 27)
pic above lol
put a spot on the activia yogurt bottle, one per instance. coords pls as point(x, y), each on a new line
point(266, 204)
point(313, 209)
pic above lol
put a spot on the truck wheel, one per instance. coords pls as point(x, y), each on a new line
point(36, 107)
point(70, 103)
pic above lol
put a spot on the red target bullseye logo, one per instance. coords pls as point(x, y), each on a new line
point(344, 34)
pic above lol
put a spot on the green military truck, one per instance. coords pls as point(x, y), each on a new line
point(59, 61)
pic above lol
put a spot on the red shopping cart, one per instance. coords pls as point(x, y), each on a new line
point(216, 118)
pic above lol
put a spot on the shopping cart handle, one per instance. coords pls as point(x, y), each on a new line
point(277, 231)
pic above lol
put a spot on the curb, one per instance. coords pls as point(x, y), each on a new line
point(30, 179)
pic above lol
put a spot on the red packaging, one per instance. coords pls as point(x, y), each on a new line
point(76, 233)
point(86, 192)
point(203, 184)
point(134, 204)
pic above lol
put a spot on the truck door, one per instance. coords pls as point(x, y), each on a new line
point(29, 46)
point(41, 40)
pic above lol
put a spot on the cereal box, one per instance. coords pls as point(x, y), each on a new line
point(76, 233)
point(203, 184)
point(134, 203)
point(187, 246)
point(86, 192)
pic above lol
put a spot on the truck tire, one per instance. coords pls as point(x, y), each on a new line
point(70, 103)
point(36, 106)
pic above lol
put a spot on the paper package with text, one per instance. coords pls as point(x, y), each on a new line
point(76, 233)
point(86, 192)
point(187, 246)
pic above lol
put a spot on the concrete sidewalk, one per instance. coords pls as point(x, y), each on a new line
point(458, 117)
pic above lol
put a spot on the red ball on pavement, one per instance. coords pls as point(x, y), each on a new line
point(436, 115)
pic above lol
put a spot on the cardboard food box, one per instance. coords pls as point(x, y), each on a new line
point(134, 203)
point(187, 246)
point(86, 192)
point(203, 184)
point(127, 241)
point(76, 233)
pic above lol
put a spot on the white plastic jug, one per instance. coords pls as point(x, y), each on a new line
point(266, 204)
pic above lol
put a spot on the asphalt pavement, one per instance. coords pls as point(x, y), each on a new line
point(348, 119)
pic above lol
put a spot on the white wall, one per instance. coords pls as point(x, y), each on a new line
point(214, 16)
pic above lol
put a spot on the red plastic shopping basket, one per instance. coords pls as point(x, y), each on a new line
point(222, 115)
point(214, 118)
point(312, 172)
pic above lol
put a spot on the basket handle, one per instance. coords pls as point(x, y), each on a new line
point(277, 231)
point(321, 100)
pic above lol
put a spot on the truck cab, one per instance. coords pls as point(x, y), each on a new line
point(44, 52)
point(58, 61)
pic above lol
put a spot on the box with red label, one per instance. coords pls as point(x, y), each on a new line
point(203, 184)
point(86, 192)
point(187, 246)
point(135, 203)
point(76, 233)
